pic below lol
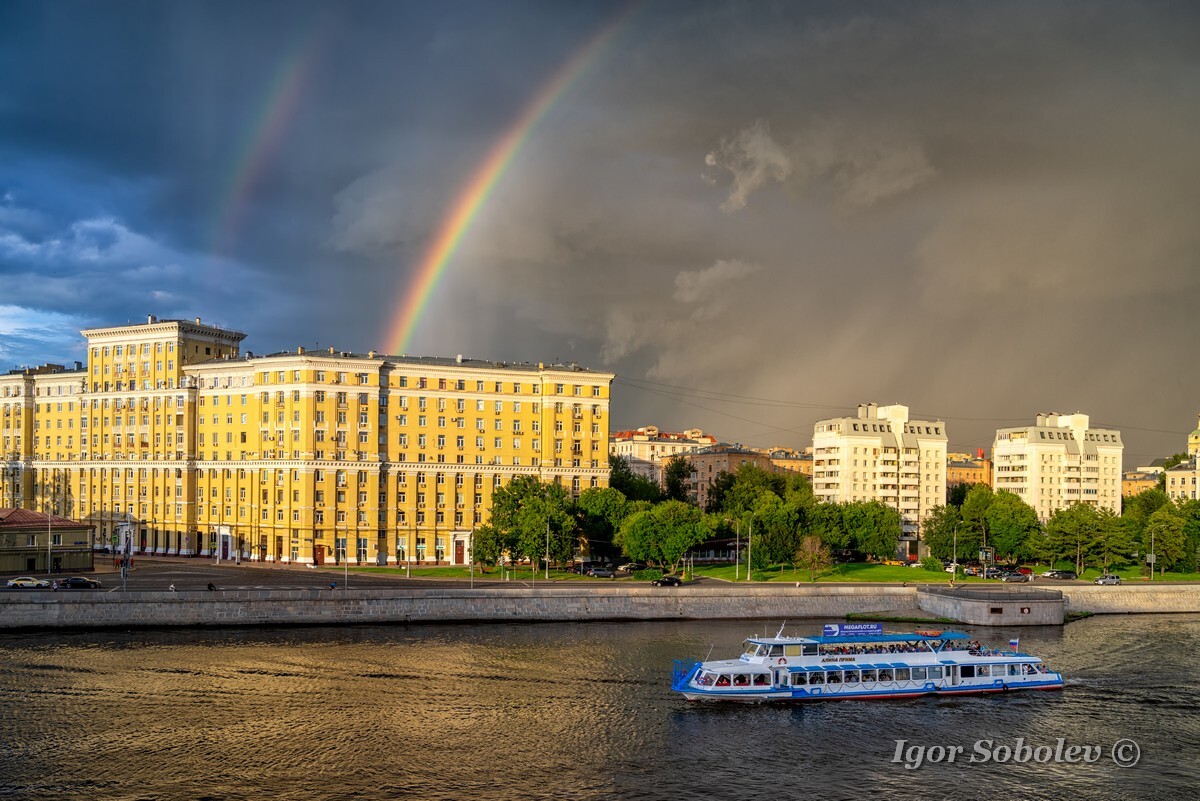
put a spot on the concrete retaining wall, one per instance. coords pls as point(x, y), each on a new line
point(282, 607)
point(984, 606)
point(1132, 598)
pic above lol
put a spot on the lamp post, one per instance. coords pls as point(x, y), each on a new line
point(737, 550)
point(547, 549)
point(749, 548)
point(49, 536)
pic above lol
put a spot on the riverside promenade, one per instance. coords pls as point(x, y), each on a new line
point(554, 601)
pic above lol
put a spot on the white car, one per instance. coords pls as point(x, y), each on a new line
point(1108, 578)
point(952, 567)
point(28, 582)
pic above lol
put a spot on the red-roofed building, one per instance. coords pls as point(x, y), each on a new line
point(24, 547)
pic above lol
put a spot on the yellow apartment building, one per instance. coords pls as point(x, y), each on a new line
point(172, 434)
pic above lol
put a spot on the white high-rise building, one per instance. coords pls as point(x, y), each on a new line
point(1059, 461)
point(881, 455)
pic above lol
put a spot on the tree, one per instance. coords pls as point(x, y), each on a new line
point(749, 483)
point(487, 545)
point(1136, 509)
point(677, 480)
point(812, 555)
point(776, 530)
point(939, 533)
point(599, 512)
point(634, 487)
point(1165, 531)
point(1072, 533)
point(874, 528)
point(825, 521)
point(1171, 461)
point(527, 512)
point(663, 534)
point(1189, 513)
point(1013, 524)
point(957, 494)
point(1115, 544)
point(974, 512)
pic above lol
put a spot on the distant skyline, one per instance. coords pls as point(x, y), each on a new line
point(756, 215)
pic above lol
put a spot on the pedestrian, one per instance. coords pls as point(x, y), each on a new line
point(171, 588)
point(333, 585)
point(54, 585)
point(212, 587)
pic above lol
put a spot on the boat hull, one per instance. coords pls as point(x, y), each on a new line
point(806, 696)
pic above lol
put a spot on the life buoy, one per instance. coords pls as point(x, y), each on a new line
point(782, 661)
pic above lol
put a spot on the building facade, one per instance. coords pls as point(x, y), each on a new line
point(647, 448)
point(708, 463)
point(963, 468)
point(1059, 461)
point(882, 455)
point(303, 457)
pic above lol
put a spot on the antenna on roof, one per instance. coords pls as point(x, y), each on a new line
point(781, 625)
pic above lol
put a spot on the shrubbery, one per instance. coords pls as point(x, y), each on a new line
point(932, 564)
point(647, 575)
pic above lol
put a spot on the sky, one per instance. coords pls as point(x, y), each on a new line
point(755, 214)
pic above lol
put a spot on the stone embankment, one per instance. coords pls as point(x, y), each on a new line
point(44, 610)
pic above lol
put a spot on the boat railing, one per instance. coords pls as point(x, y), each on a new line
point(682, 671)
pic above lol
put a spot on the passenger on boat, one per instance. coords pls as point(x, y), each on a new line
point(722, 681)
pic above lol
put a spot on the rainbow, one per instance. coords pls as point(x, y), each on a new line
point(281, 98)
point(476, 191)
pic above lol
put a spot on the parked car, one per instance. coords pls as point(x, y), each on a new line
point(1011, 577)
point(1108, 578)
point(995, 573)
point(79, 583)
point(631, 567)
point(28, 582)
point(667, 581)
point(1061, 574)
point(601, 572)
point(971, 570)
point(1024, 571)
point(953, 566)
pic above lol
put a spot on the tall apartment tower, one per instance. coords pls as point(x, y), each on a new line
point(1059, 461)
point(882, 455)
point(174, 434)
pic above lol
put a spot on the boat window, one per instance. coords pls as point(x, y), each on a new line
point(968, 671)
point(741, 680)
point(868, 675)
point(762, 680)
point(1040, 668)
point(816, 678)
point(808, 650)
point(918, 674)
point(983, 670)
point(791, 650)
point(799, 678)
point(776, 650)
point(935, 672)
point(885, 675)
point(763, 650)
point(749, 648)
point(722, 681)
point(850, 676)
point(834, 677)
point(901, 674)
point(1014, 670)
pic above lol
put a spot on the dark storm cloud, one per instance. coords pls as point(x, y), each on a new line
point(980, 210)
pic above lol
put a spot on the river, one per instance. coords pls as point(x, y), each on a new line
point(562, 711)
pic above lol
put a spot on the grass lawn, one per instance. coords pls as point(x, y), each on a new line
point(854, 571)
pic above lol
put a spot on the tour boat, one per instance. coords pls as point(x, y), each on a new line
point(859, 660)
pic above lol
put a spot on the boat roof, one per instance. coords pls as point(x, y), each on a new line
point(860, 639)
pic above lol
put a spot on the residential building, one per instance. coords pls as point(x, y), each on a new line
point(790, 460)
point(296, 456)
point(882, 455)
point(708, 463)
point(1059, 461)
point(646, 448)
point(963, 468)
point(1183, 480)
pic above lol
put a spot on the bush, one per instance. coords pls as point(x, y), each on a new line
point(932, 564)
point(647, 575)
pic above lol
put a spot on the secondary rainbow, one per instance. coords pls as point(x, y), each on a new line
point(473, 195)
point(279, 105)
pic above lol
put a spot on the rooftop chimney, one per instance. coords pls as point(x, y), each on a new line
point(300, 350)
point(151, 319)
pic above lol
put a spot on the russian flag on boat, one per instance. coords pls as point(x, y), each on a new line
point(1013, 643)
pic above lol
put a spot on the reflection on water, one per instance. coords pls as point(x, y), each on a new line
point(554, 711)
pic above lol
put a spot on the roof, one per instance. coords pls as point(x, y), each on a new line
point(27, 518)
point(863, 639)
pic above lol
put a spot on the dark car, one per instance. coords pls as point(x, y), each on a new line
point(601, 572)
point(1061, 574)
point(667, 581)
point(79, 583)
